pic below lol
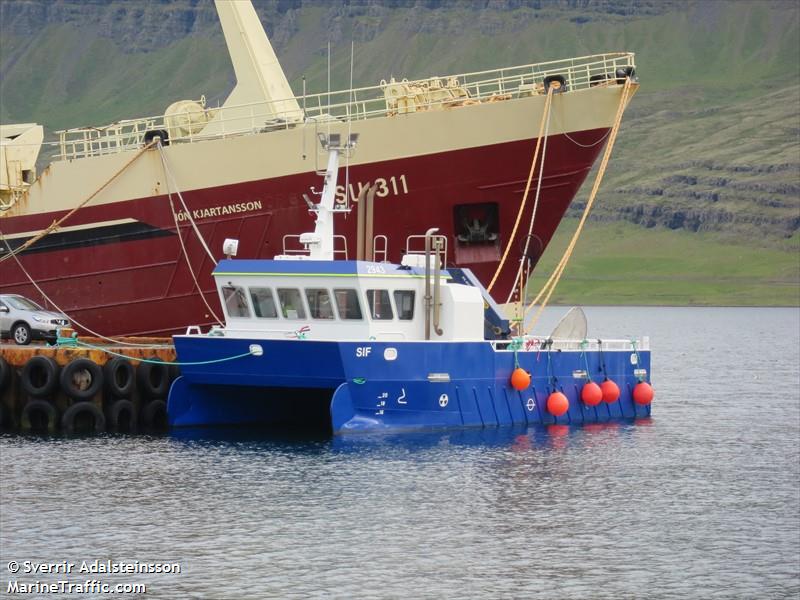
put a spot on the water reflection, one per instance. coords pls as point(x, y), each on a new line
point(515, 438)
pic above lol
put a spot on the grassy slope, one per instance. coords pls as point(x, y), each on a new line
point(71, 78)
point(720, 88)
point(621, 263)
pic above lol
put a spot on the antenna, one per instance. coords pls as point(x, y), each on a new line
point(329, 87)
point(305, 113)
point(305, 117)
point(349, 130)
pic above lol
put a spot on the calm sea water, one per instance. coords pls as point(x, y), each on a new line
point(703, 501)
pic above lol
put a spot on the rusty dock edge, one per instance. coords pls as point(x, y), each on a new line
point(86, 387)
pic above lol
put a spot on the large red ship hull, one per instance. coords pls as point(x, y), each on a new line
point(119, 268)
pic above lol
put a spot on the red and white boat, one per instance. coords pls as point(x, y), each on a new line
point(451, 151)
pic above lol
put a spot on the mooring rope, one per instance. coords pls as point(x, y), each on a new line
point(545, 117)
point(56, 224)
point(183, 204)
point(59, 309)
point(638, 360)
point(518, 278)
point(74, 342)
point(584, 344)
point(552, 282)
point(180, 235)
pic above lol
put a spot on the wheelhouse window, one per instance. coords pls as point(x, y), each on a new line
point(347, 304)
point(291, 303)
point(235, 301)
point(319, 303)
point(404, 301)
point(380, 309)
point(263, 303)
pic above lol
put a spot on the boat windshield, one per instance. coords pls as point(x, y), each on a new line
point(22, 303)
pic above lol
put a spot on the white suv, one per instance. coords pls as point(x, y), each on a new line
point(23, 320)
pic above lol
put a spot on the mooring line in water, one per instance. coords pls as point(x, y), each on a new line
point(552, 282)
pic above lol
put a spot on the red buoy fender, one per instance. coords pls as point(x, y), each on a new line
point(557, 404)
point(520, 379)
point(610, 391)
point(643, 393)
point(591, 394)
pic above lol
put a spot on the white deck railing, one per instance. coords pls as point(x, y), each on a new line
point(435, 93)
point(293, 247)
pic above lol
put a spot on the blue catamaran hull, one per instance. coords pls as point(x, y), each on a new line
point(367, 386)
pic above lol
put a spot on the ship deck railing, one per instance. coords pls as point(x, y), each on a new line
point(346, 106)
point(415, 244)
point(292, 246)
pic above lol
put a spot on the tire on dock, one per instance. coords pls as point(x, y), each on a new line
point(120, 377)
point(39, 416)
point(154, 417)
point(83, 417)
point(121, 417)
point(81, 379)
point(153, 378)
point(39, 376)
point(5, 374)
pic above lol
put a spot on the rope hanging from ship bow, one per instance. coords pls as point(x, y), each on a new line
point(56, 224)
point(169, 177)
point(524, 257)
point(552, 282)
point(545, 118)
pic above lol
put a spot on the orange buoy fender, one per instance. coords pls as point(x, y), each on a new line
point(610, 391)
point(557, 404)
point(520, 379)
point(643, 393)
point(591, 394)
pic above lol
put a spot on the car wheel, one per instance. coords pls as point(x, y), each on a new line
point(21, 334)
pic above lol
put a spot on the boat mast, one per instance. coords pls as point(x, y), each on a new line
point(320, 243)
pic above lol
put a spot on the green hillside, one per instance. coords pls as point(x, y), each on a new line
point(708, 157)
point(620, 263)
